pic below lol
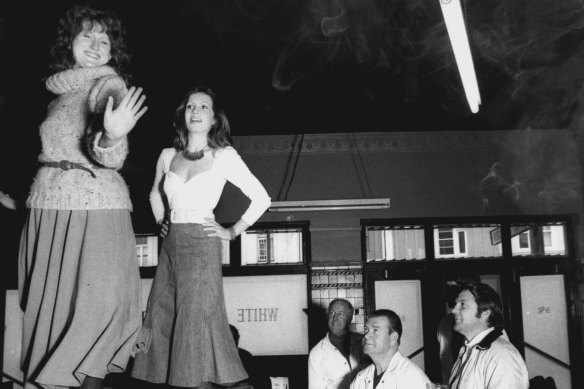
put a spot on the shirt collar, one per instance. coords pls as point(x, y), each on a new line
point(478, 337)
point(355, 339)
point(395, 360)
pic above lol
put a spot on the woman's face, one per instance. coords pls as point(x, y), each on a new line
point(199, 114)
point(91, 47)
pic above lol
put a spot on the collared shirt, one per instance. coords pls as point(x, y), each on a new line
point(498, 367)
point(400, 374)
point(329, 369)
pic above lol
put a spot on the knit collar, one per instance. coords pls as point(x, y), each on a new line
point(72, 79)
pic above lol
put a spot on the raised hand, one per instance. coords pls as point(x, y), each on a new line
point(120, 121)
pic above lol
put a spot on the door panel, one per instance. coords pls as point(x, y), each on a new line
point(545, 327)
point(404, 297)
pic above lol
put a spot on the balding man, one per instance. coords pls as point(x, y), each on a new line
point(334, 360)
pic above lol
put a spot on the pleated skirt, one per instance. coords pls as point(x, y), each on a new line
point(191, 342)
point(79, 288)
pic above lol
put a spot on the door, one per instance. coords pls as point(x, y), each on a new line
point(545, 327)
point(404, 297)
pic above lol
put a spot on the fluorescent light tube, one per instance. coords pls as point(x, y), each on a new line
point(328, 205)
point(454, 20)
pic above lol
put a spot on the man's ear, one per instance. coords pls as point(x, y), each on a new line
point(394, 337)
point(485, 314)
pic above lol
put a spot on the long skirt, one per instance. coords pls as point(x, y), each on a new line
point(191, 342)
point(79, 288)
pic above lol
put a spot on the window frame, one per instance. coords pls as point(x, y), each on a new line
point(388, 241)
point(456, 242)
point(235, 267)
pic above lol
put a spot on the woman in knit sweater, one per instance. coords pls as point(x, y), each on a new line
point(78, 275)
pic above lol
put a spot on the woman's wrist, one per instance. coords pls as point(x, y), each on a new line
point(107, 141)
point(232, 233)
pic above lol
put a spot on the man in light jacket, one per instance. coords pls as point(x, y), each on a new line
point(487, 360)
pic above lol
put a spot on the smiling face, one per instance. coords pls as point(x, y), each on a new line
point(91, 47)
point(199, 114)
point(467, 319)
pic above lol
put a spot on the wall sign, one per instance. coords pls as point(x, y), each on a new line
point(269, 313)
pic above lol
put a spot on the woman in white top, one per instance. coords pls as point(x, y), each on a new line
point(189, 343)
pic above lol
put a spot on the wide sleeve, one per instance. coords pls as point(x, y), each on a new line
point(114, 156)
point(234, 170)
point(157, 197)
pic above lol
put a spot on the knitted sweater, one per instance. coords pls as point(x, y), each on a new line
point(69, 133)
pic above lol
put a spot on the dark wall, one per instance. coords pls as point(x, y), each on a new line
point(424, 175)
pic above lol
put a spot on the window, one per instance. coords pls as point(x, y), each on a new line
point(270, 246)
point(385, 241)
point(547, 236)
point(147, 250)
point(521, 243)
point(450, 242)
point(553, 240)
point(476, 240)
point(445, 241)
point(538, 239)
point(263, 247)
point(524, 240)
point(395, 243)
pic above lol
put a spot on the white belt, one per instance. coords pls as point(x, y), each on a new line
point(190, 216)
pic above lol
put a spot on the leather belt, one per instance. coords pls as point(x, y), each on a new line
point(68, 165)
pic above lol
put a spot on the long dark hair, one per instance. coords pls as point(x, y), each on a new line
point(220, 133)
point(71, 24)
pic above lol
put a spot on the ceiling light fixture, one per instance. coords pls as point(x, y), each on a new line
point(328, 205)
point(454, 20)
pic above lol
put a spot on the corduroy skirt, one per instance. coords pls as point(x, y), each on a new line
point(79, 289)
point(191, 342)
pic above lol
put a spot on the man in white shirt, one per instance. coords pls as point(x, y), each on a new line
point(487, 360)
point(389, 370)
point(334, 360)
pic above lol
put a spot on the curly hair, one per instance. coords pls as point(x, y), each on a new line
point(220, 133)
point(73, 22)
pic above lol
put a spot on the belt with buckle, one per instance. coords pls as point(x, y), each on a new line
point(68, 165)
